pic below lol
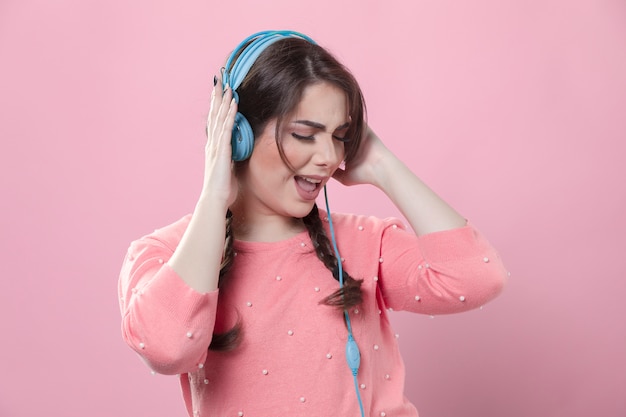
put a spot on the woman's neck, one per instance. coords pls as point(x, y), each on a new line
point(257, 227)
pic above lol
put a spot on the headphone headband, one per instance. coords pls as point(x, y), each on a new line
point(247, 52)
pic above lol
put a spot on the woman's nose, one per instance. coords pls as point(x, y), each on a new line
point(328, 151)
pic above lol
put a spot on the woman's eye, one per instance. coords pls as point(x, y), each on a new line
point(295, 135)
point(341, 139)
point(312, 137)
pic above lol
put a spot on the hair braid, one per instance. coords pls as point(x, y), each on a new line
point(350, 294)
point(229, 251)
point(230, 339)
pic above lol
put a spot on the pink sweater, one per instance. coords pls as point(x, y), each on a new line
point(292, 358)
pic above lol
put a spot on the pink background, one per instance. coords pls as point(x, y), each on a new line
point(515, 112)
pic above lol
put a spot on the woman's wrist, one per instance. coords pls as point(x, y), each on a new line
point(384, 170)
point(212, 203)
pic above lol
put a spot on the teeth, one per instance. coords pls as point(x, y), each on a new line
point(311, 180)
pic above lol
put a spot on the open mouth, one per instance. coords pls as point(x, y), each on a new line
point(308, 188)
point(308, 184)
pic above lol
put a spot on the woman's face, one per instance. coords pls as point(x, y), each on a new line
point(312, 141)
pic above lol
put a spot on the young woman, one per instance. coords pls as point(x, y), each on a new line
point(245, 299)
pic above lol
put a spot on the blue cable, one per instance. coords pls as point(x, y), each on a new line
point(358, 395)
point(353, 356)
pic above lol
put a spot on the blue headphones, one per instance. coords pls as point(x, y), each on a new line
point(237, 66)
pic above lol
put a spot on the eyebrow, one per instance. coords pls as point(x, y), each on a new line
point(319, 125)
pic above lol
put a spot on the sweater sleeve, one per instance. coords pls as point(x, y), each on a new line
point(169, 324)
point(439, 273)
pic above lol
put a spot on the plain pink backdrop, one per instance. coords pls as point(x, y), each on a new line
point(515, 112)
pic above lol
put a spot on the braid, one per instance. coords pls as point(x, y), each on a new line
point(230, 339)
point(229, 252)
point(350, 294)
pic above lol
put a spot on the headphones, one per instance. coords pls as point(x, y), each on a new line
point(242, 141)
point(237, 66)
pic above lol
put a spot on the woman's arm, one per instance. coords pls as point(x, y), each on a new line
point(168, 281)
point(443, 272)
point(198, 257)
point(168, 323)
point(448, 267)
point(375, 164)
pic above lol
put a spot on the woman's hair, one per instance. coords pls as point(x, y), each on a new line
point(271, 90)
point(276, 82)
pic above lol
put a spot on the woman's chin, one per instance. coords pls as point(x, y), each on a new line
point(303, 209)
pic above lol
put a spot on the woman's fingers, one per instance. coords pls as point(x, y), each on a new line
point(224, 120)
point(229, 121)
point(217, 97)
point(221, 118)
point(224, 106)
point(219, 175)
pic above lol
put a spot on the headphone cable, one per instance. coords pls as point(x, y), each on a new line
point(353, 355)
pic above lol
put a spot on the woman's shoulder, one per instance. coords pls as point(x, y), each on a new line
point(360, 240)
point(361, 223)
point(170, 234)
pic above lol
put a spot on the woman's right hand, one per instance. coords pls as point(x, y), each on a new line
point(198, 256)
point(219, 177)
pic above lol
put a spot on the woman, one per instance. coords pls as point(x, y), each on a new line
point(241, 298)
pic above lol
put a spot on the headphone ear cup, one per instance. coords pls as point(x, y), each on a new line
point(242, 140)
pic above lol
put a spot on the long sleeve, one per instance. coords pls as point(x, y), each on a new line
point(439, 273)
point(169, 324)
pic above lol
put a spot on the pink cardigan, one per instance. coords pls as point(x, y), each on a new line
point(292, 358)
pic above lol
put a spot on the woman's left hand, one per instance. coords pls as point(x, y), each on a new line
point(366, 167)
point(376, 165)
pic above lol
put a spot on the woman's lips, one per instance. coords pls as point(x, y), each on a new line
point(307, 187)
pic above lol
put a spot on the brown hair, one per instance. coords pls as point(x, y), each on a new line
point(271, 90)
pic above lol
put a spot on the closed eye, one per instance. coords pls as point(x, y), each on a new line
point(341, 139)
point(300, 137)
